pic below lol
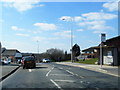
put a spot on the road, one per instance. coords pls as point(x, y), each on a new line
point(52, 75)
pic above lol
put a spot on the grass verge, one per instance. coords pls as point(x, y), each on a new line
point(87, 61)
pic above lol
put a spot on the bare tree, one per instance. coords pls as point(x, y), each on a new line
point(55, 54)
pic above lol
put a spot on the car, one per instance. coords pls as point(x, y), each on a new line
point(45, 60)
point(6, 61)
point(28, 62)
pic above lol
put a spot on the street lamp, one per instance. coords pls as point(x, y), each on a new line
point(71, 19)
point(38, 50)
point(38, 46)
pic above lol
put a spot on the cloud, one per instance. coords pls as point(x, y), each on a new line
point(95, 25)
point(111, 6)
point(68, 18)
point(85, 23)
point(98, 16)
point(100, 31)
point(38, 38)
point(44, 39)
point(15, 28)
point(21, 5)
point(79, 30)
point(78, 18)
point(65, 18)
point(63, 34)
point(46, 26)
point(23, 35)
point(100, 27)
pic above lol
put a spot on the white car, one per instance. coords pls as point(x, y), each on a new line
point(6, 62)
point(46, 60)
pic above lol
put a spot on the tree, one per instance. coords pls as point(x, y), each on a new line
point(76, 51)
point(55, 54)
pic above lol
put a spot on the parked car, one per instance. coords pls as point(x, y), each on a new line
point(19, 61)
point(0, 62)
point(28, 62)
point(45, 60)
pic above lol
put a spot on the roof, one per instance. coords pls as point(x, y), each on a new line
point(10, 52)
point(96, 47)
point(114, 38)
point(114, 42)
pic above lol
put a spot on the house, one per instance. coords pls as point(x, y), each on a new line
point(110, 51)
point(114, 51)
point(13, 54)
point(90, 52)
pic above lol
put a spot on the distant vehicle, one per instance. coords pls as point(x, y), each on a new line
point(45, 60)
point(5, 62)
point(19, 61)
point(28, 62)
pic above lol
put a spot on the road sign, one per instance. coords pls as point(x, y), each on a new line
point(103, 37)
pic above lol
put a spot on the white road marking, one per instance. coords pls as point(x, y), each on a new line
point(60, 75)
point(64, 80)
point(76, 74)
point(60, 68)
point(55, 84)
point(30, 70)
point(81, 77)
point(70, 72)
point(52, 68)
point(81, 81)
point(49, 72)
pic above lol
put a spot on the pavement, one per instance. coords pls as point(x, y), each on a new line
point(6, 70)
point(111, 70)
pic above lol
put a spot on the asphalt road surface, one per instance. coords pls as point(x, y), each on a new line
point(55, 76)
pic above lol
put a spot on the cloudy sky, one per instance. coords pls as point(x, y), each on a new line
point(27, 24)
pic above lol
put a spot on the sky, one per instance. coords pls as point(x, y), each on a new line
point(34, 26)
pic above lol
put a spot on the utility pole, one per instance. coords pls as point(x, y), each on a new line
point(38, 50)
point(103, 38)
point(71, 29)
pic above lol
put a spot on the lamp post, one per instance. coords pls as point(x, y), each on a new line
point(71, 20)
point(38, 46)
point(38, 50)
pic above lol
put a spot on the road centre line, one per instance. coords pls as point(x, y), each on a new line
point(64, 80)
point(60, 75)
point(60, 68)
point(52, 68)
point(55, 84)
point(49, 72)
point(81, 77)
point(70, 72)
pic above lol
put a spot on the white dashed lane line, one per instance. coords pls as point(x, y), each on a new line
point(64, 81)
point(60, 75)
point(70, 72)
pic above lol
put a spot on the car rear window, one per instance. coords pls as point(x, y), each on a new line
point(29, 59)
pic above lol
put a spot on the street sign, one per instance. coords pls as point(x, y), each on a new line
point(103, 37)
